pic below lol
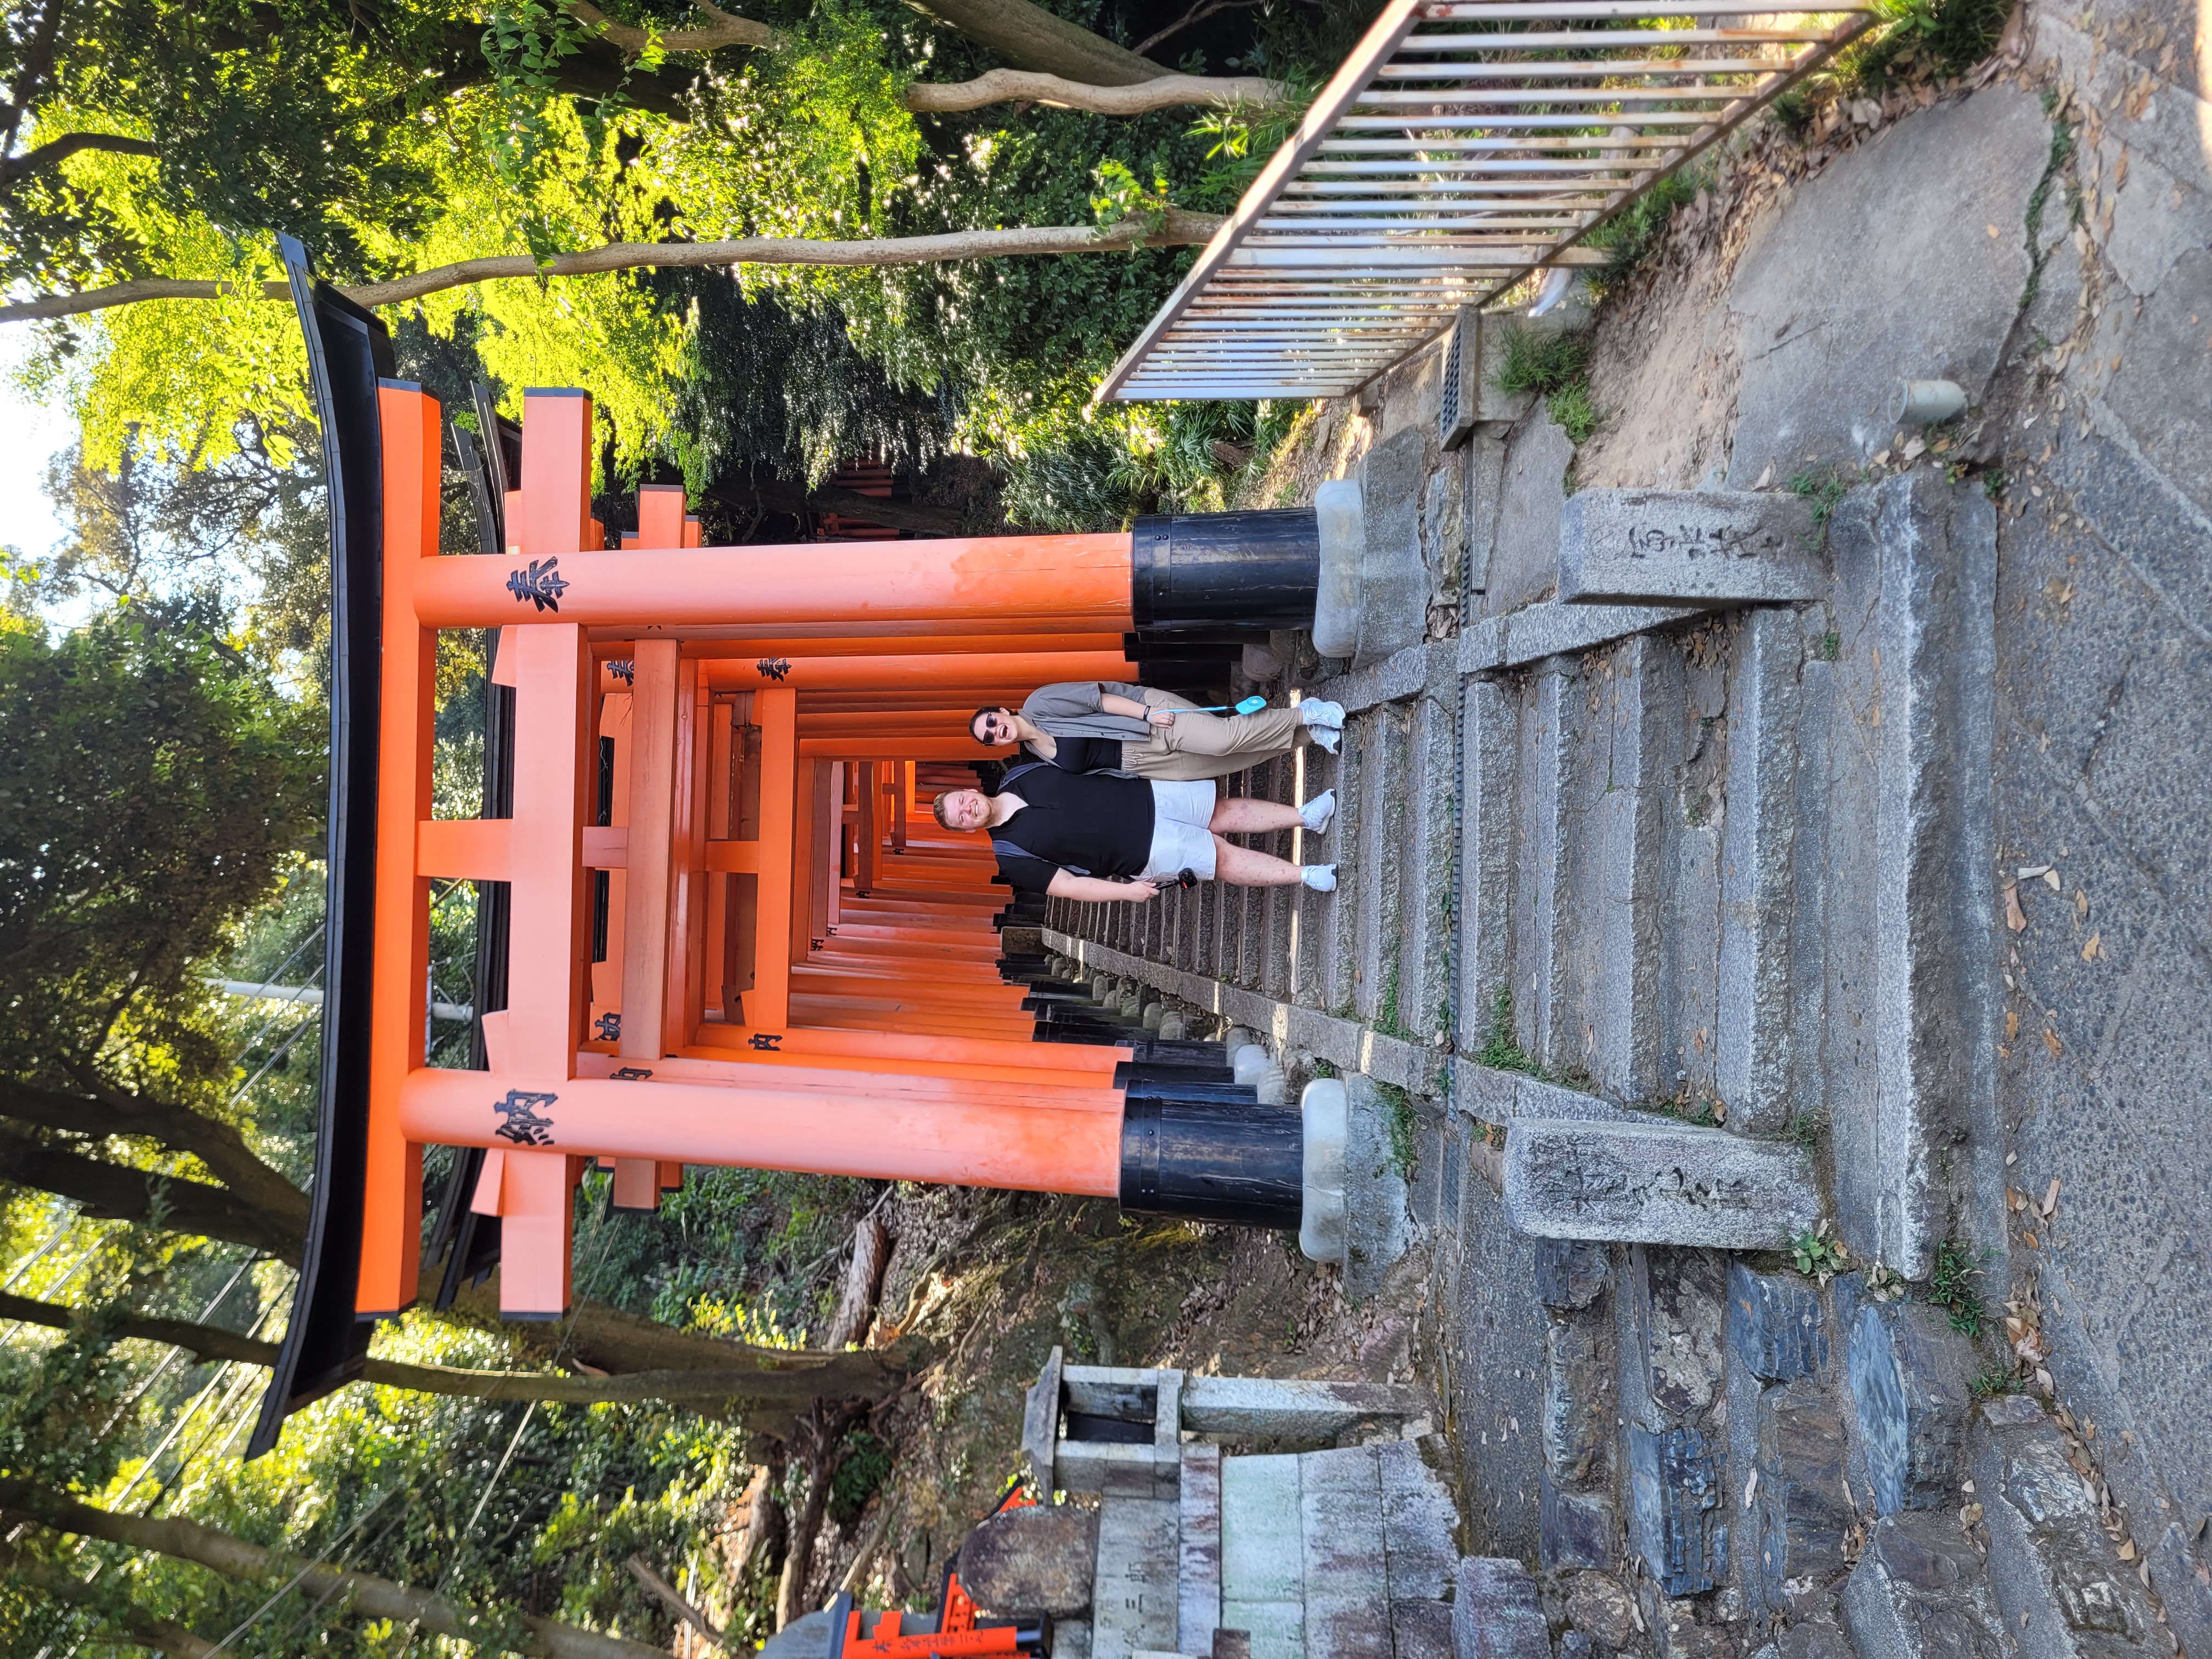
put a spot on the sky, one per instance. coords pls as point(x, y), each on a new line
point(29, 435)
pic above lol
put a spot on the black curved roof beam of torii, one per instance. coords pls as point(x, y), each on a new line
point(348, 352)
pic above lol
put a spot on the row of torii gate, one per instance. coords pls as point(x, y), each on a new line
point(730, 930)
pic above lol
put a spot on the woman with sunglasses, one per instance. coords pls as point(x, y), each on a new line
point(1105, 726)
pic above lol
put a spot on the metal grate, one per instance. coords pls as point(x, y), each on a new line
point(1463, 144)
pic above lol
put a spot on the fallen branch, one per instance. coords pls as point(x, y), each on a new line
point(1179, 228)
point(864, 1279)
point(379, 1598)
point(1000, 86)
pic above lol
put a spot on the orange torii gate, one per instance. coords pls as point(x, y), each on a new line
point(706, 959)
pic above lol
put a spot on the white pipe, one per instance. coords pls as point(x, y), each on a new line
point(311, 996)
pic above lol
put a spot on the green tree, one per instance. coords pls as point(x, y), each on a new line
point(152, 786)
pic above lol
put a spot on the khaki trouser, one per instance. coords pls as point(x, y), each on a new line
point(1208, 745)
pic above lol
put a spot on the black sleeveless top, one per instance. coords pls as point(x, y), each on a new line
point(1088, 823)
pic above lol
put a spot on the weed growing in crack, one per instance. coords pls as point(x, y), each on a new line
point(1995, 1381)
point(1503, 1051)
point(1912, 40)
point(1405, 1129)
point(2062, 152)
point(1702, 1111)
point(1818, 1256)
point(1806, 1128)
point(1636, 230)
point(1826, 489)
point(1574, 411)
point(1556, 368)
point(1386, 1019)
point(1951, 1287)
point(1541, 360)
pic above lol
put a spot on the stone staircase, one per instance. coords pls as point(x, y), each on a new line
point(1663, 937)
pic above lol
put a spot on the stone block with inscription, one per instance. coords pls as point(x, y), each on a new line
point(1700, 547)
point(1656, 1183)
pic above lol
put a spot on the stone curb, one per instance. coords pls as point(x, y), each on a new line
point(1345, 1044)
point(1551, 629)
point(1491, 1096)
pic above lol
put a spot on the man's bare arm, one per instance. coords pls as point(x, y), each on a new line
point(1090, 890)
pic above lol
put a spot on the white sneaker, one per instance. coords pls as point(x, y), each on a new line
point(1317, 813)
point(1321, 877)
point(1325, 737)
point(1315, 711)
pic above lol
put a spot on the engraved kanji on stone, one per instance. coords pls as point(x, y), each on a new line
point(538, 583)
point(526, 1125)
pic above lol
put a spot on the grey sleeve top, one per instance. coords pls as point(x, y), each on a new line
point(1070, 710)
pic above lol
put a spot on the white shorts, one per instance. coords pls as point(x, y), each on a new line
point(1181, 840)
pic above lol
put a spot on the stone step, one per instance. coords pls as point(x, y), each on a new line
point(1430, 889)
point(1488, 814)
point(1278, 905)
point(1639, 716)
point(1228, 912)
point(1689, 993)
point(1578, 1516)
point(1548, 629)
point(1497, 1613)
point(1915, 568)
point(1336, 917)
point(1752, 1058)
point(2063, 1589)
point(1537, 964)
point(1378, 977)
point(1343, 1554)
point(1922, 1591)
point(1315, 770)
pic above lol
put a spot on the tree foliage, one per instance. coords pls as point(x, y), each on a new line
point(151, 788)
point(544, 138)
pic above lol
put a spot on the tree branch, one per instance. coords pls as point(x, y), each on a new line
point(727, 31)
point(772, 1375)
point(61, 149)
point(118, 1192)
point(1164, 92)
point(134, 1624)
point(1030, 37)
point(380, 1598)
point(1181, 229)
point(649, 1360)
point(1196, 13)
point(215, 1144)
point(672, 1598)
